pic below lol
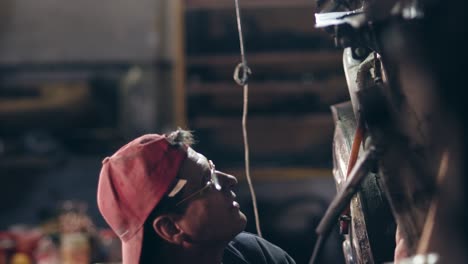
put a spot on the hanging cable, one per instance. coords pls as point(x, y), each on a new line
point(241, 77)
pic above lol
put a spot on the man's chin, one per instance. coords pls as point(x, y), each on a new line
point(242, 222)
point(237, 225)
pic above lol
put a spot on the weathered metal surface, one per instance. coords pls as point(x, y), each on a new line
point(345, 126)
point(372, 224)
point(359, 236)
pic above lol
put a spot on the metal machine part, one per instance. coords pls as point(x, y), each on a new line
point(372, 226)
point(407, 97)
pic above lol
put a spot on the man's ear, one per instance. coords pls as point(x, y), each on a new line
point(167, 229)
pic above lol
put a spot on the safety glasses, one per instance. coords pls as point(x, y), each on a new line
point(212, 183)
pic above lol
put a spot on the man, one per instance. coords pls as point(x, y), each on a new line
point(168, 204)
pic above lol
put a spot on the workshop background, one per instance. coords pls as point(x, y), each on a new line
point(78, 79)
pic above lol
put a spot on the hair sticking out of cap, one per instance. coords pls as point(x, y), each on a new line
point(180, 137)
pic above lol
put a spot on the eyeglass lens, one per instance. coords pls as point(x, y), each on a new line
point(214, 177)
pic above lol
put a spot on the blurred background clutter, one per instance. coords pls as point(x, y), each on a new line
point(80, 78)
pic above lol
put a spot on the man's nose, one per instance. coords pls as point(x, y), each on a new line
point(227, 180)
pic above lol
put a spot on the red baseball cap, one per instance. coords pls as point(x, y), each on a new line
point(131, 184)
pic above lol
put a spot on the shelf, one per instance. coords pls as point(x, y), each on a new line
point(28, 162)
point(246, 4)
point(265, 121)
point(323, 60)
point(270, 136)
point(281, 173)
point(296, 75)
point(269, 87)
point(229, 94)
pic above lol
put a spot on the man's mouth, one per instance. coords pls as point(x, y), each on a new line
point(235, 204)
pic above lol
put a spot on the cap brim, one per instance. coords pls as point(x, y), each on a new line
point(131, 249)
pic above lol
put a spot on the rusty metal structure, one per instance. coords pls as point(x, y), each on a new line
point(399, 144)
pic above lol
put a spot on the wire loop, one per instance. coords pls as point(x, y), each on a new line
point(241, 74)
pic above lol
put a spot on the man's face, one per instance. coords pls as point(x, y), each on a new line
point(212, 215)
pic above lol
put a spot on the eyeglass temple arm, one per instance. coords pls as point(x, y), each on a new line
point(194, 194)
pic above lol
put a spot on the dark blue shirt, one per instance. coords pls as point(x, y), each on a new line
point(247, 248)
